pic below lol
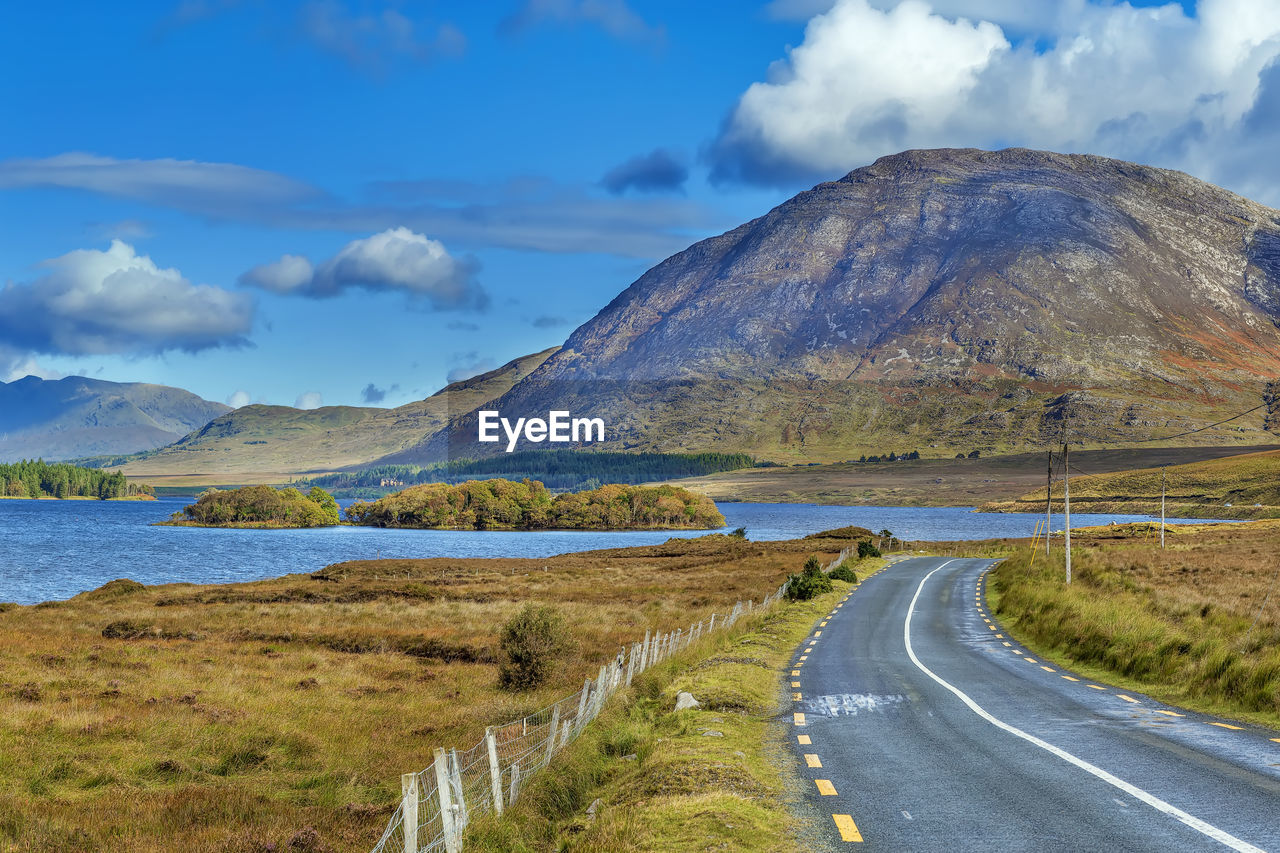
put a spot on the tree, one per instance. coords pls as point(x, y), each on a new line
point(809, 582)
point(530, 644)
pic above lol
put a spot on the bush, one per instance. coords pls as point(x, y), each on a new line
point(740, 533)
point(531, 642)
point(866, 549)
point(843, 573)
point(809, 583)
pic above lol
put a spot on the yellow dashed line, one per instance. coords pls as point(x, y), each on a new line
point(847, 828)
point(795, 697)
point(822, 624)
point(999, 636)
point(1070, 678)
point(795, 672)
point(812, 760)
point(985, 619)
point(1010, 645)
point(992, 627)
point(804, 657)
point(797, 718)
point(1168, 713)
point(795, 684)
point(1276, 739)
point(803, 740)
point(825, 788)
point(1048, 668)
point(817, 634)
point(1227, 726)
point(1128, 699)
point(1096, 687)
point(1029, 660)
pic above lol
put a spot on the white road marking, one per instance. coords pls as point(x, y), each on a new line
point(1221, 836)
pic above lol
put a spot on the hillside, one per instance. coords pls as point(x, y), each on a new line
point(76, 416)
point(945, 298)
point(1244, 486)
point(269, 443)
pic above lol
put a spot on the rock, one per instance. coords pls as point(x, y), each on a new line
point(684, 701)
point(591, 809)
point(712, 733)
point(631, 757)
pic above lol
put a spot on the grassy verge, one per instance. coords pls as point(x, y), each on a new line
point(1192, 624)
point(711, 778)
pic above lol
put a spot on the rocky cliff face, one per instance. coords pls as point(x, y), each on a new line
point(949, 297)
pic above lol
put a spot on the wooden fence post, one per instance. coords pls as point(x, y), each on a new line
point(551, 735)
point(631, 663)
point(515, 784)
point(495, 770)
point(582, 703)
point(461, 817)
point(446, 801)
point(409, 811)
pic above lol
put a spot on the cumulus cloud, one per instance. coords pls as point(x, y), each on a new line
point(368, 40)
point(238, 399)
point(309, 400)
point(395, 259)
point(374, 394)
point(1150, 84)
point(615, 17)
point(93, 302)
point(657, 171)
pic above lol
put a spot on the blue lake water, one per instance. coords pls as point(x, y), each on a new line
point(55, 549)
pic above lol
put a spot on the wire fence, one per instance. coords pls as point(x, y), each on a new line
point(438, 802)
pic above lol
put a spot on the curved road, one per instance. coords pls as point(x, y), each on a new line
point(921, 726)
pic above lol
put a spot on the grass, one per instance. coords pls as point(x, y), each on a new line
point(711, 778)
point(249, 714)
point(1243, 486)
point(1196, 624)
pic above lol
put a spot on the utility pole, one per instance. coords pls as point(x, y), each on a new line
point(1066, 505)
point(1048, 503)
point(1161, 506)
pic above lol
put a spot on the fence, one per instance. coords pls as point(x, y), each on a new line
point(438, 802)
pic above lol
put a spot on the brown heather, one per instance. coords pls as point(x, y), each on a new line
point(283, 712)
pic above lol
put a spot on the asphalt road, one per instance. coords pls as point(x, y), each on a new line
point(920, 725)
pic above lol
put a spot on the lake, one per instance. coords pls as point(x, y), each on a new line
point(55, 549)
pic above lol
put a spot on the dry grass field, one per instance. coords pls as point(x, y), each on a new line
point(1197, 623)
point(282, 712)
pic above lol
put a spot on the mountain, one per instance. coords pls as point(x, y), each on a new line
point(76, 416)
point(949, 299)
point(266, 443)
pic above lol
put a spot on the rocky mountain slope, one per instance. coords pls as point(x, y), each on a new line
point(76, 416)
point(256, 442)
point(940, 299)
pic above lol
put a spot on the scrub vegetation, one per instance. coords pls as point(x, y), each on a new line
point(1196, 624)
point(260, 506)
point(528, 505)
point(234, 717)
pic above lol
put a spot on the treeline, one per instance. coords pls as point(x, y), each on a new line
point(260, 506)
point(557, 469)
point(888, 457)
point(528, 505)
point(40, 479)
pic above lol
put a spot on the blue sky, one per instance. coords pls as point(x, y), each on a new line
point(352, 201)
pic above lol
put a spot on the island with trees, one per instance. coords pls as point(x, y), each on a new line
point(39, 480)
point(259, 506)
point(529, 505)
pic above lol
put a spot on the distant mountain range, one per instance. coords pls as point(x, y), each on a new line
point(941, 301)
point(945, 298)
point(273, 442)
point(76, 416)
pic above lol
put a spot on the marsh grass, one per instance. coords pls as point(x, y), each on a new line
point(1197, 623)
point(239, 716)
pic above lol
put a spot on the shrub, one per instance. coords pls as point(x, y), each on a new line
point(843, 573)
point(740, 533)
point(866, 549)
point(809, 583)
point(531, 642)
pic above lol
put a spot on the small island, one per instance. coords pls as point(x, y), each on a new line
point(259, 507)
point(529, 505)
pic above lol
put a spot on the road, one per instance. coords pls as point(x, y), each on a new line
point(920, 725)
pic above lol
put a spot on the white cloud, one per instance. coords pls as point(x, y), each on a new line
point(395, 259)
point(93, 302)
point(238, 399)
point(369, 40)
point(1149, 84)
point(17, 366)
point(308, 400)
